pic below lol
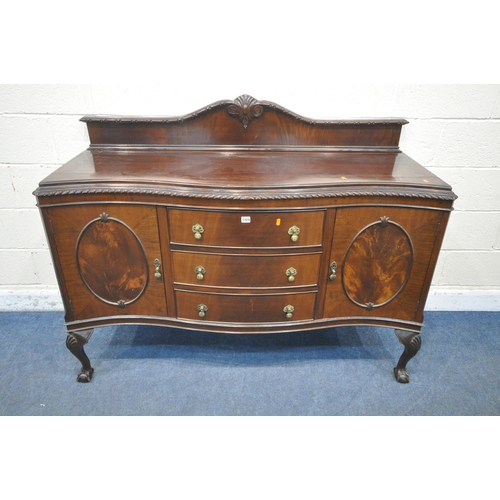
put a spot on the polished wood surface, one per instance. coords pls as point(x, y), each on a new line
point(377, 264)
point(111, 261)
point(246, 271)
point(364, 267)
point(239, 229)
point(251, 308)
point(100, 270)
point(244, 121)
point(244, 217)
point(242, 170)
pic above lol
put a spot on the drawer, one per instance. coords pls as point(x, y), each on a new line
point(244, 308)
point(245, 270)
point(246, 229)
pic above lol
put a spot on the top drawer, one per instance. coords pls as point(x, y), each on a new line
point(246, 229)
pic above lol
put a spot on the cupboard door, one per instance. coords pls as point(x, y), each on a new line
point(380, 261)
point(107, 259)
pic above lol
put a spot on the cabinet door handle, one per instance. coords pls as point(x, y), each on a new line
point(157, 265)
point(198, 231)
point(333, 271)
point(294, 232)
point(202, 310)
point(291, 272)
point(200, 272)
point(288, 310)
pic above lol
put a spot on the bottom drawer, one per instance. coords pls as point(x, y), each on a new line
point(245, 308)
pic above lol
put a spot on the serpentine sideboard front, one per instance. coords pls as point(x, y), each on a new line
point(244, 217)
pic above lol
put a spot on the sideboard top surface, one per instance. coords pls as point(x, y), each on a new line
point(244, 170)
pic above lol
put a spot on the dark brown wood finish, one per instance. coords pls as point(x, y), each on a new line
point(250, 308)
point(248, 173)
point(244, 121)
point(365, 286)
point(75, 343)
point(244, 217)
point(245, 230)
point(246, 271)
point(123, 255)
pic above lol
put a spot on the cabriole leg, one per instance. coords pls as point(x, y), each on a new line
point(75, 342)
point(411, 341)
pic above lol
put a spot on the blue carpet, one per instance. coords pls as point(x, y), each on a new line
point(144, 370)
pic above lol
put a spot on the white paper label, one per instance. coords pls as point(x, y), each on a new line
point(245, 220)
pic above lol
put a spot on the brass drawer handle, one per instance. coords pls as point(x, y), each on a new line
point(288, 310)
point(291, 272)
point(333, 271)
point(294, 232)
point(197, 230)
point(202, 310)
point(200, 272)
point(157, 265)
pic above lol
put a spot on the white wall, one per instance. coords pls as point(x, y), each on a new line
point(454, 130)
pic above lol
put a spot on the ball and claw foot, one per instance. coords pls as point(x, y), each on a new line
point(402, 376)
point(85, 375)
point(75, 343)
point(411, 342)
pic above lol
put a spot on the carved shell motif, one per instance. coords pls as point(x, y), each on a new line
point(245, 108)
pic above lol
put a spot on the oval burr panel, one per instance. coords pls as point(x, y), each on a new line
point(112, 261)
point(377, 264)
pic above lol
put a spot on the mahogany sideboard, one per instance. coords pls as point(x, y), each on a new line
point(244, 217)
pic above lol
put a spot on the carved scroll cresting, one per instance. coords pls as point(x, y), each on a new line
point(245, 108)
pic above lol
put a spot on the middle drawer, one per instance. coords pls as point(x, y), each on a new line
point(245, 271)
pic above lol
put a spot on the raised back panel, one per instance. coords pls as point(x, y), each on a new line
point(244, 122)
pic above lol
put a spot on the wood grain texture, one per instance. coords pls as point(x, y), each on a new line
point(377, 264)
point(265, 229)
point(246, 271)
point(251, 193)
point(249, 308)
point(68, 225)
point(243, 174)
point(112, 261)
point(224, 123)
point(421, 225)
